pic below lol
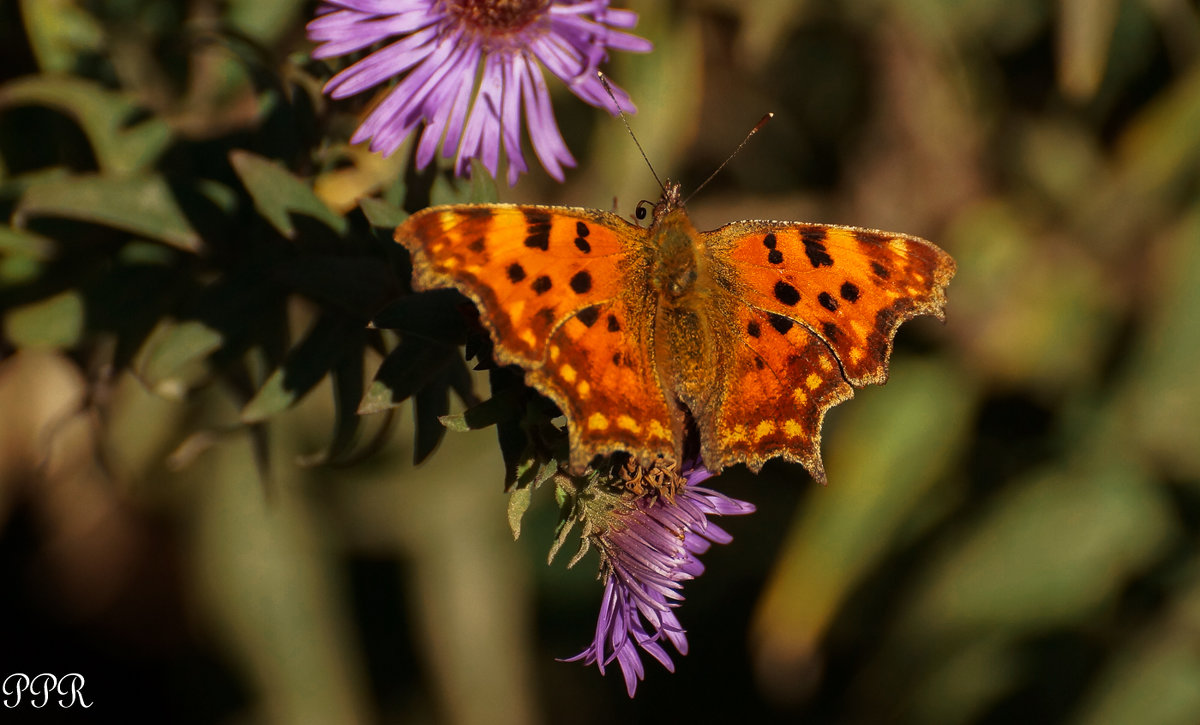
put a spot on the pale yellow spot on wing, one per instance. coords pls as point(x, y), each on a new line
point(764, 429)
point(657, 430)
point(584, 389)
point(856, 354)
point(737, 434)
point(793, 429)
point(567, 372)
point(528, 337)
point(574, 329)
point(472, 268)
point(625, 422)
point(813, 381)
point(450, 262)
point(799, 396)
point(597, 421)
point(825, 364)
point(554, 352)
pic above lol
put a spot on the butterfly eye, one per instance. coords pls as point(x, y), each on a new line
point(640, 211)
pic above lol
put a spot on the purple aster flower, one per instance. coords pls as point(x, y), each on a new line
point(647, 551)
point(443, 45)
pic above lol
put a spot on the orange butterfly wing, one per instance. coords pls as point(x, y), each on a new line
point(820, 307)
point(553, 285)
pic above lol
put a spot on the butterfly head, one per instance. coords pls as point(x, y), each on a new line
point(670, 200)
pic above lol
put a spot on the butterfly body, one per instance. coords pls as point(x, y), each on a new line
point(752, 330)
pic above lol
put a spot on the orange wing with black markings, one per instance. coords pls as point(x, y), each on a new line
point(851, 287)
point(553, 288)
point(761, 326)
point(820, 307)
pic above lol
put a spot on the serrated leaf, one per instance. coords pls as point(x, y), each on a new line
point(518, 504)
point(172, 358)
point(503, 406)
point(431, 402)
point(304, 367)
point(278, 194)
point(406, 370)
point(142, 205)
point(380, 213)
point(434, 315)
point(101, 113)
point(53, 322)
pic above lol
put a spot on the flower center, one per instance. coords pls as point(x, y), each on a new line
point(662, 478)
point(497, 17)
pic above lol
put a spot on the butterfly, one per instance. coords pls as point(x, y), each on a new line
point(752, 331)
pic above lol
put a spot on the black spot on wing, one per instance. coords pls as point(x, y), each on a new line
point(869, 237)
point(880, 270)
point(582, 245)
point(849, 292)
point(581, 282)
point(752, 329)
point(780, 323)
point(814, 247)
point(786, 293)
point(589, 315)
point(476, 213)
point(516, 272)
point(477, 246)
point(769, 240)
point(832, 333)
point(581, 229)
point(827, 301)
point(775, 256)
point(545, 316)
point(542, 285)
point(537, 229)
point(613, 324)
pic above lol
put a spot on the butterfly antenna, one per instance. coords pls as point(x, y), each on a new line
point(604, 81)
point(757, 127)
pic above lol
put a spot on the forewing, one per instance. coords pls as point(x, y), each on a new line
point(852, 287)
point(553, 288)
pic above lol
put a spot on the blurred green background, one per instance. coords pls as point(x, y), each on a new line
point(194, 517)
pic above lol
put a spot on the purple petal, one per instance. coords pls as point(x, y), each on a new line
point(435, 81)
point(649, 551)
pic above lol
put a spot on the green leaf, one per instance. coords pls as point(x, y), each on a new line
point(277, 194)
point(518, 503)
point(406, 370)
point(25, 243)
point(500, 407)
point(53, 322)
point(59, 31)
point(479, 189)
point(101, 113)
point(431, 402)
point(434, 315)
point(305, 366)
point(172, 360)
point(380, 213)
point(142, 205)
